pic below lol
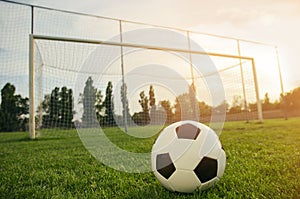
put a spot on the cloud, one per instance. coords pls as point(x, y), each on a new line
point(192, 12)
point(182, 13)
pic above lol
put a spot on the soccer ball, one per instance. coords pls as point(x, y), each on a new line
point(186, 156)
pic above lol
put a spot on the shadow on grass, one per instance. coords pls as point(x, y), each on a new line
point(24, 139)
point(159, 191)
point(27, 139)
point(44, 139)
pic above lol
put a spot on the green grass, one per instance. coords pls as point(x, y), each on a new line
point(263, 161)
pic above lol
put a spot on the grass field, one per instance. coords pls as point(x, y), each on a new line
point(263, 161)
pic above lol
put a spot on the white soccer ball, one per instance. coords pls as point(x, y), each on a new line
point(186, 156)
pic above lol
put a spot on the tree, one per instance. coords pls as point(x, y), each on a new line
point(109, 105)
point(13, 111)
point(66, 107)
point(252, 107)
point(54, 108)
point(156, 116)
point(88, 99)
point(193, 102)
point(23, 112)
point(184, 107)
point(57, 109)
point(43, 111)
point(205, 110)
point(177, 109)
point(168, 110)
point(152, 98)
point(221, 108)
point(236, 106)
point(99, 106)
point(125, 111)
point(138, 118)
point(267, 105)
point(144, 102)
point(292, 99)
point(145, 108)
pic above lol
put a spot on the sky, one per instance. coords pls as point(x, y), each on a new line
point(276, 22)
point(270, 21)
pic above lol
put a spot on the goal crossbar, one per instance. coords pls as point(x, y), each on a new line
point(131, 45)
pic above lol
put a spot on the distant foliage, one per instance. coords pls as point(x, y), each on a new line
point(166, 105)
point(109, 106)
point(88, 99)
point(292, 99)
point(13, 111)
point(57, 109)
point(96, 110)
point(143, 117)
point(125, 106)
point(152, 98)
point(183, 108)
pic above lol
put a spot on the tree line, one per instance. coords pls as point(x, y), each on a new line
point(57, 108)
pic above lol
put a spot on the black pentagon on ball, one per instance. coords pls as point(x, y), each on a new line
point(187, 131)
point(206, 169)
point(164, 165)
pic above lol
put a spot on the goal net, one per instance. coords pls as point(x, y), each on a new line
point(88, 83)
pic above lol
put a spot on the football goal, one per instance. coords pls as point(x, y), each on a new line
point(88, 70)
point(89, 83)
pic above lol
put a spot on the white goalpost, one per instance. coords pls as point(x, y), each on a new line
point(31, 89)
